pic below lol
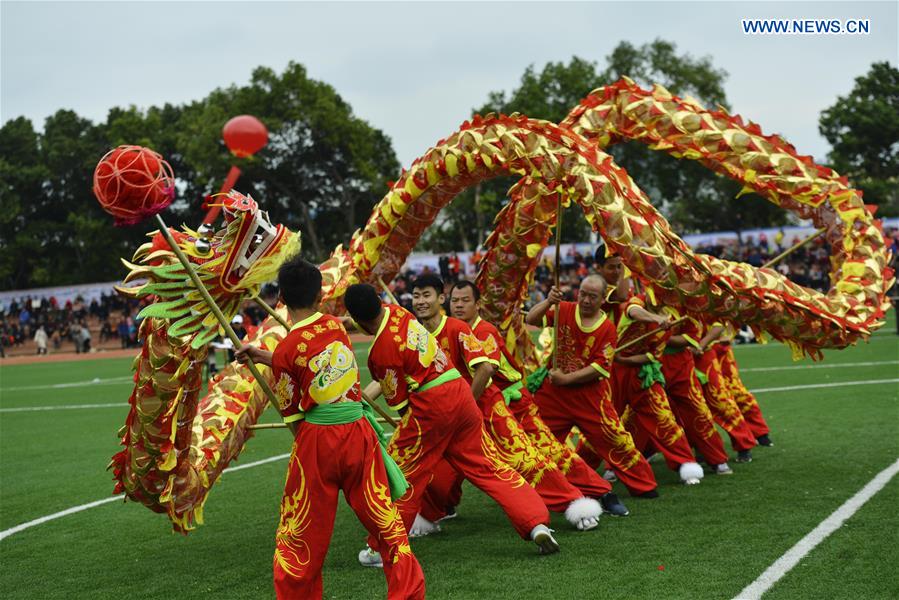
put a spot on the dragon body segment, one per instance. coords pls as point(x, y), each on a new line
point(177, 445)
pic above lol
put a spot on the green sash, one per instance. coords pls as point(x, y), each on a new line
point(350, 412)
point(513, 392)
point(702, 377)
point(535, 379)
point(443, 378)
point(650, 373)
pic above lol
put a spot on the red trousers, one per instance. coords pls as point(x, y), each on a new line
point(648, 416)
point(444, 422)
point(578, 472)
point(688, 404)
point(515, 449)
point(725, 410)
point(744, 398)
point(325, 460)
point(589, 408)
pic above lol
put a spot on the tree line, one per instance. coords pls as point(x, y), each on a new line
point(324, 167)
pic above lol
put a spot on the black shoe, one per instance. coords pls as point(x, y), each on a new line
point(764, 440)
point(613, 506)
point(744, 456)
point(699, 457)
point(648, 495)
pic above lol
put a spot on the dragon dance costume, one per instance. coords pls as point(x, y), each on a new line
point(639, 396)
point(336, 448)
point(511, 443)
point(730, 376)
point(589, 406)
point(685, 395)
point(723, 406)
point(441, 420)
point(509, 379)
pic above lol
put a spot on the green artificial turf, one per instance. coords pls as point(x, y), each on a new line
point(706, 541)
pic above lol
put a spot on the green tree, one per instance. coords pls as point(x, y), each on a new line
point(863, 128)
point(323, 168)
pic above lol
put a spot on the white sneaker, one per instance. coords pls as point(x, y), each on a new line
point(723, 469)
point(422, 527)
point(370, 558)
point(609, 475)
point(543, 537)
point(587, 523)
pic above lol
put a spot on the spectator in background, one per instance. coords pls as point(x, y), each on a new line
point(41, 339)
point(123, 331)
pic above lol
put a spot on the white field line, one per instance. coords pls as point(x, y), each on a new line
point(792, 556)
point(58, 386)
point(62, 407)
point(824, 385)
point(8, 532)
point(824, 366)
point(754, 391)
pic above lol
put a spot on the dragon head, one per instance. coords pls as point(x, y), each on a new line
point(233, 263)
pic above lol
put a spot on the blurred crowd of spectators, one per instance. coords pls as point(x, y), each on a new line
point(113, 317)
point(51, 324)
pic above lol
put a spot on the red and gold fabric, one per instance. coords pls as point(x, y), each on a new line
point(688, 404)
point(315, 370)
point(724, 408)
point(589, 406)
point(580, 347)
point(730, 375)
point(511, 443)
point(459, 343)
point(403, 356)
point(325, 460)
point(442, 422)
point(524, 411)
point(318, 351)
point(647, 415)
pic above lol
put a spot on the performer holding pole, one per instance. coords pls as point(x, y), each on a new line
point(337, 447)
point(440, 419)
point(578, 392)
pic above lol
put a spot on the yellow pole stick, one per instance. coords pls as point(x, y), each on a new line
point(388, 292)
point(792, 249)
point(259, 426)
point(646, 335)
point(558, 266)
point(210, 302)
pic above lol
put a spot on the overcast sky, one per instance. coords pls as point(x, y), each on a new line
point(415, 70)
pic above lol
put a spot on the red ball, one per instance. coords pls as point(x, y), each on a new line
point(245, 135)
point(132, 183)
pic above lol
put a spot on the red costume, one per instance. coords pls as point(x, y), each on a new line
point(589, 406)
point(744, 398)
point(512, 444)
point(686, 398)
point(509, 379)
point(442, 421)
point(725, 410)
point(638, 392)
point(317, 383)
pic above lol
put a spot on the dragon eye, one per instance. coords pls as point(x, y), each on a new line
point(202, 246)
point(205, 229)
